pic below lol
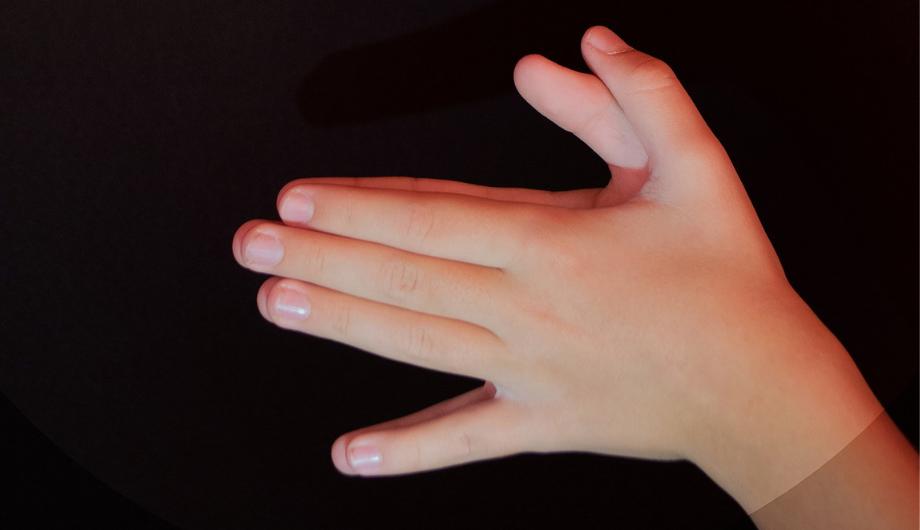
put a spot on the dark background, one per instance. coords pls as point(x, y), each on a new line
point(137, 136)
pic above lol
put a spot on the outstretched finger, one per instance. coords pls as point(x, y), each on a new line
point(583, 198)
point(444, 225)
point(664, 117)
point(480, 393)
point(437, 343)
point(483, 430)
point(580, 103)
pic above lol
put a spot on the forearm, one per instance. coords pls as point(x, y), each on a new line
point(872, 483)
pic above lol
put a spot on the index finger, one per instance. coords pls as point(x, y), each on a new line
point(580, 198)
point(445, 225)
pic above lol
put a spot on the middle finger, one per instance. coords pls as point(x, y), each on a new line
point(373, 271)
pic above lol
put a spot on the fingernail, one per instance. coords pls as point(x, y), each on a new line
point(607, 41)
point(292, 303)
point(263, 250)
point(297, 207)
point(364, 458)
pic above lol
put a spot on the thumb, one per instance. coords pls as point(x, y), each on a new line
point(580, 104)
point(664, 117)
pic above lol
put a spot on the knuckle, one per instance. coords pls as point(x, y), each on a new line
point(650, 73)
point(314, 259)
point(418, 461)
point(399, 279)
point(350, 219)
point(569, 263)
point(529, 232)
point(419, 343)
point(702, 154)
point(550, 238)
point(419, 224)
point(341, 319)
point(466, 445)
point(599, 117)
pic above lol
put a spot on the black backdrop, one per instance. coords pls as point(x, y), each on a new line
point(137, 136)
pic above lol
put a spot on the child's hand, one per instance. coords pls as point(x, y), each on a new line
point(650, 318)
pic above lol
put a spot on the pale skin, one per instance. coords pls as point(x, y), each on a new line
point(650, 318)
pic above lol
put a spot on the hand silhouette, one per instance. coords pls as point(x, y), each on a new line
point(650, 318)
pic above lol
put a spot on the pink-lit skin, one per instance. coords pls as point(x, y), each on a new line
point(650, 318)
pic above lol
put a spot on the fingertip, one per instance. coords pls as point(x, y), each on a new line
point(286, 188)
point(537, 80)
point(239, 235)
point(585, 36)
point(339, 456)
point(260, 301)
point(262, 296)
point(525, 63)
point(604, 40)
point(532, 70)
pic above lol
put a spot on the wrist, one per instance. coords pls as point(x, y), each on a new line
point(872, 483)
point(799, 401)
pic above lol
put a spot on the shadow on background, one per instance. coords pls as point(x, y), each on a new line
point(461, 60)
point(210, 418)
point(470, 57)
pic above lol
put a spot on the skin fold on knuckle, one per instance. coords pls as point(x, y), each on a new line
point(419, 344)
point(532, 230)
point(418, 459)
point(399, 280)
point(554, 247)
point(599, 117)
point(346, 212)
point(419, 224)
point(466, 446)
point(536, 305)
point(648, 74)
point(312, 259)
point(340, 321)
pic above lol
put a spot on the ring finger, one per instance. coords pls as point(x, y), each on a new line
point(399, 334)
